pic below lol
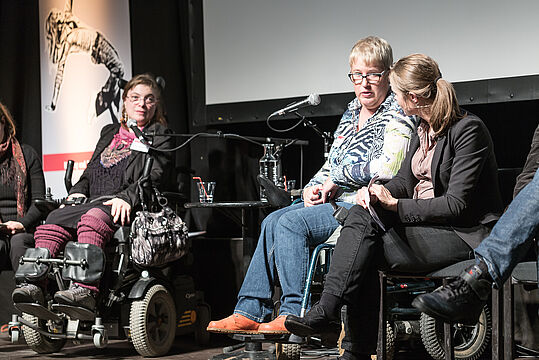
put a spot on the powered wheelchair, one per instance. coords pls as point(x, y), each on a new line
point(149, 306)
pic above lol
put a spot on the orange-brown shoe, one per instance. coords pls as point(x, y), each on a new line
point(274, 327)
point(234, 324)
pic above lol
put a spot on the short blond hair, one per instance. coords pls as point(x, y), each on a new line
point(373, 50)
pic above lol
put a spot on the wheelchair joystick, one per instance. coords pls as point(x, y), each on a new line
point(69, 175)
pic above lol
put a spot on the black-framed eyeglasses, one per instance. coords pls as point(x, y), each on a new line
point(148, 100)
point(372, 78)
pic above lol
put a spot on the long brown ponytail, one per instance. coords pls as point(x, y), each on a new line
point(419, 74)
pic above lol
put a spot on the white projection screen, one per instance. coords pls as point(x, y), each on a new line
point(274, 49)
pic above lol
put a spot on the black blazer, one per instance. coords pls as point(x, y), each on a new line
point(465, 180)
point(135, 165)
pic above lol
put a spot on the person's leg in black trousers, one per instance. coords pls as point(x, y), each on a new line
point(361, 318)
point(353, 262)
point(4, 254)
point(353, 267)
point(18, 245)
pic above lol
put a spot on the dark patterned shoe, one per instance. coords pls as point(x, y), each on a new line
point(460, 301)
point(28, 293)
point(76, 296)
point(315, 322)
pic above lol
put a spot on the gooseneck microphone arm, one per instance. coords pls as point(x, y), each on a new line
point(325, 135)
point(132, 124)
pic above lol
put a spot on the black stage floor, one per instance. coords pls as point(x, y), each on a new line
point(183, 348)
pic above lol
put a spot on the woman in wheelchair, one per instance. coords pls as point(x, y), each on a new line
point(106, 193)
point(438, 207)
point(21, 181)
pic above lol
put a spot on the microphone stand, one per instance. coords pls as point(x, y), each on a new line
point(280, 145)
point(257, 140)
point(325, 135)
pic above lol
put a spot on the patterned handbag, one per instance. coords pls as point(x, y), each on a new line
point(158, 238)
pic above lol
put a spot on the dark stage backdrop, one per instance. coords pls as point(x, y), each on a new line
point(19, 67)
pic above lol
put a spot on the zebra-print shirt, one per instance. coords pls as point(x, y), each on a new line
point(378, 148)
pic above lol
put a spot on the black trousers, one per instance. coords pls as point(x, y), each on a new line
point(12, 248)
point(363, 248)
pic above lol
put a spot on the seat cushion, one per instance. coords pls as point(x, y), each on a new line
point(525, 272)
point(452, 270)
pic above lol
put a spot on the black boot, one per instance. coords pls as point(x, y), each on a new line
point(460, 301)
point(276, 196)
point(321, 319)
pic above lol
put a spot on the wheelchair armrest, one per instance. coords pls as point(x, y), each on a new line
point(46, 206)
point(175, 197)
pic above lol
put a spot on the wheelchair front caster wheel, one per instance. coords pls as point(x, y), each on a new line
point(100, 341)
point(14, 333)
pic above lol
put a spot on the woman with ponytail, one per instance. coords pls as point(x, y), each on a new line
point(434, 212)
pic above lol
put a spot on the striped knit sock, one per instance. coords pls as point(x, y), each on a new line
point(52, 237)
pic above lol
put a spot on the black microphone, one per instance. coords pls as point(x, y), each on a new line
point(161, 82)
point(132, 124)
point(311, 100)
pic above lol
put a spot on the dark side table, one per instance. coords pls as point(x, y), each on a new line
point(249, 222)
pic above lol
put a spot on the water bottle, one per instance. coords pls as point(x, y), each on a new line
point(268, 167)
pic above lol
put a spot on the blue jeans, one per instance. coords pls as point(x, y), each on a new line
point(283, 245)
point(513, 234)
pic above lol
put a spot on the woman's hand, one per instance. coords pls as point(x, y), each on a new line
point(120, 210)
point(311, 195)
point(329, 189)
point(362, 195)
point(383, 196)
point(13, 227)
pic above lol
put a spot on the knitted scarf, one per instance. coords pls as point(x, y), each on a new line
point(21, 184)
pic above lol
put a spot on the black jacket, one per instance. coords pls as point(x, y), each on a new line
point(465, 180)
point(531, 165)
point(135, 165)
point(36, 188)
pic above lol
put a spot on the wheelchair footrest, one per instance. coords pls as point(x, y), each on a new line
point(37, 310)
point(260, 338)
point(75, 312)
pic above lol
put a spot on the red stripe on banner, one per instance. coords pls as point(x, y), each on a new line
point(58, 162)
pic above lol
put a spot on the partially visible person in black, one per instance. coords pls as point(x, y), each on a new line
point(531, 165)
point(438, 207)
point(21, 181)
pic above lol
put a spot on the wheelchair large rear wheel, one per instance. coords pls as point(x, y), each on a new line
point(152, 322)
point(469, 341)
point(41, 344)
